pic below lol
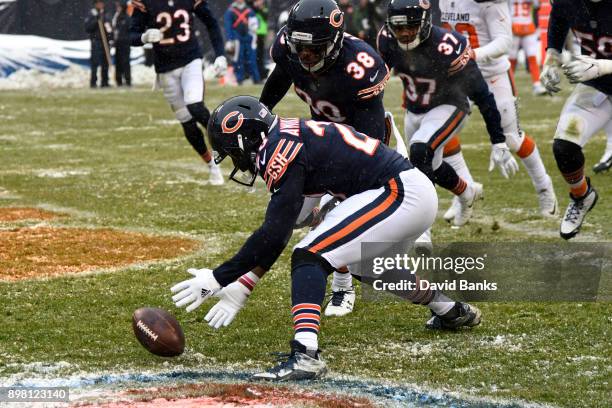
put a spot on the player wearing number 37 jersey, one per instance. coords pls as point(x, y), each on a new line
point(438, 74)
point(168, 25)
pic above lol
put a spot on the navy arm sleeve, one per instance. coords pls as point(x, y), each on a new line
point(478, 91)
point(276, 87)
point(558, 27)
point(266, 244)
point(372, 121)
point(138, 25)
point(214, 31)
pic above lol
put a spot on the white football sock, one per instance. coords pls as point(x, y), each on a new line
point(535, 167)
point(308, 339)
point(458, 163)
point(342, 281)
point(441, 303)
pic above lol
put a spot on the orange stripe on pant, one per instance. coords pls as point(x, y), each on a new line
point(448, 130)
point(359, 221)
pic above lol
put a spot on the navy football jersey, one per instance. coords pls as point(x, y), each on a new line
point(305, 157)
point(428, 72)
point(350, 91)
point(337, 159)
point(174, 18)
point(592, 26)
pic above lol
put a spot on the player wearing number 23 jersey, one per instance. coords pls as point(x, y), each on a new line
point(168, 25)
point(339, 76)
point(174, 18)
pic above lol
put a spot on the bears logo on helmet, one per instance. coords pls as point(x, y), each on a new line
point(227, 118)
point(425, 4)
point(336, 18)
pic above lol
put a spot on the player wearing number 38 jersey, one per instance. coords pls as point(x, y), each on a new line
point(168, 25)
point(341, 77)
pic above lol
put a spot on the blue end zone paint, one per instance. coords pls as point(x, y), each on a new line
point(386, 394)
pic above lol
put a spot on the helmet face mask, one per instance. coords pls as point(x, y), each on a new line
point(314, 35)
point(236, 130)
point(409, 21)
point(312, 55)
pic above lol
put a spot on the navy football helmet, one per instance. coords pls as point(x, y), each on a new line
point(236, 129)
point(315, 30)
point(409, 21)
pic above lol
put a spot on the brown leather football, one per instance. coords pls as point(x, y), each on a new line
point(158, 331)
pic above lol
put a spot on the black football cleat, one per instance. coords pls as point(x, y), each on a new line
point(461, 315)
point(604, 165)
point(300, 364)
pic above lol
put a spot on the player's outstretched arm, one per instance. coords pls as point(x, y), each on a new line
point(276, 87)
point(479, 92)
point(138, 26)
point(558, 28)
point(212, 26)
point(261, 249)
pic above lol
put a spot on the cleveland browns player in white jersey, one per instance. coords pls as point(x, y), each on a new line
point(525, 37)
point(487, 23)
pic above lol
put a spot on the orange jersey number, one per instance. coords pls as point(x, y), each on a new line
point(466, 29)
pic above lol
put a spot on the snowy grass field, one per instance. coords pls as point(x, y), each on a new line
point(116, 158)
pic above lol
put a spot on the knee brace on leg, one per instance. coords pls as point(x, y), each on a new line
point(199, 112)
point(182, 115)
point(570, 159)
point(195, 136)
point(421, 156)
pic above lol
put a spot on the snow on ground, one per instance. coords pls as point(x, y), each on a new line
point(74, 76)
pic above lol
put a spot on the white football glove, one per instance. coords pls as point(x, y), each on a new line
point(220, 66)
point(152, 35)
point(551, 74)
point(233, 298)
point(502, 158)
point(196, 290)
point(584, 68)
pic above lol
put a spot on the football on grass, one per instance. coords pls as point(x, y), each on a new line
point(158, 331)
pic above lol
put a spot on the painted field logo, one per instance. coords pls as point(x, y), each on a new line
point(145, 329)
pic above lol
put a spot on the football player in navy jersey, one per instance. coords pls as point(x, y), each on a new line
point(589, 108)
point(342, 79)
point(168, 25)
point(438, 76)
point(386, 200)
point(339, 76)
